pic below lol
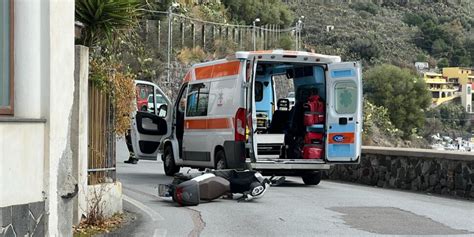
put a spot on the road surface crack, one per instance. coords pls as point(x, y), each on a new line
point(198, 222)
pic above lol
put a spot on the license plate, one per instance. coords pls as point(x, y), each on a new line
point(163, 190)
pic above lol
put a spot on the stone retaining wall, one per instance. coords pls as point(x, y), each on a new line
point(440, 172)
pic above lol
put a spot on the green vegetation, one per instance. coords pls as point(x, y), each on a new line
point(452, 116)
point(401, 93)
point(378, 116)
point(365, 49)
point(447, 119)
point(367, 7)
point(443, 38)
point(269, 12)
point(104, 20)
point(400, 33)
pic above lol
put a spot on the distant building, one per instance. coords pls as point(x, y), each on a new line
point(441, 90)
point(463, 78)
point(422, 66)
point(459, 75)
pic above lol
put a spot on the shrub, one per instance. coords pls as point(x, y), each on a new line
point(367, 7)
point(365, 48)
point(401, 92)
point(193, 55)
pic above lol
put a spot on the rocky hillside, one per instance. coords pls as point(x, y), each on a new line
point(380, 33)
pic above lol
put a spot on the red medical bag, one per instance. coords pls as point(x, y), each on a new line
point(313, 152)
point(314, 111)
point(313, 138)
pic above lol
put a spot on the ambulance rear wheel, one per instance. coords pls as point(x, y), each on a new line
point(313, 178)
point(221, 163)
point(169, 165)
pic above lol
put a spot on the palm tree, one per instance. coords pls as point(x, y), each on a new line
point(105, 19)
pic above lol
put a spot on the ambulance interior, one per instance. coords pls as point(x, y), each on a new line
point(290, 127)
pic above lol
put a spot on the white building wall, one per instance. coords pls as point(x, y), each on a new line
point(61, 90)
point(35, 153)
point(466, 97)
point(22, 143)
point(21, 163)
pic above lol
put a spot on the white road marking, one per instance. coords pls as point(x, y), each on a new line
point(160, 233)
point(155, 216)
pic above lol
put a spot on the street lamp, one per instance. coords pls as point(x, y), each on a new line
point(254, 36)
point(299, 26)
point(170, 31)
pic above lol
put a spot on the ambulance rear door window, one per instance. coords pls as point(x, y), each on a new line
point(346, 97)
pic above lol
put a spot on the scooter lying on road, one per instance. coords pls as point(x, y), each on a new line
point(190, 189)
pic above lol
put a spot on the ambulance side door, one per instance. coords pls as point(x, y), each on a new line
point(150, 121)
point(344, 112)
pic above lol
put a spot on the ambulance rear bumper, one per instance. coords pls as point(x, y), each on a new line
point(289, 165)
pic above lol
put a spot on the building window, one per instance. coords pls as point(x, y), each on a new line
point(6, 57)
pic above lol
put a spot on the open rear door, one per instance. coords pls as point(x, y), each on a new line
point(251, 108)
point(344, 112)
point(150, 121)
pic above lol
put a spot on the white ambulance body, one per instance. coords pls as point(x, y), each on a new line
point(213, 123)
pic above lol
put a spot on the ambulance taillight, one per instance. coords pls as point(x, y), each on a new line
point(239, 125)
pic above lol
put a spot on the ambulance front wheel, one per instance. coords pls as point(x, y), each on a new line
point(169, 165)
point(221, 163)
point(313, 178)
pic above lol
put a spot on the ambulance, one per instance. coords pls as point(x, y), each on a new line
point(234, 113)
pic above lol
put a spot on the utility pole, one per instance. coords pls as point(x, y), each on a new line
point(168, 56)
point(254, 37)
point(170, 33)
point(159, 33)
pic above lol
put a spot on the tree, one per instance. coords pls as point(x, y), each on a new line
point(365, 48)
point(104, 20)
point(412, 19)
point(401, 92)
point(443, 62)
point(440, 48)
point(469, 45)
point(367, 7)
point(269, 11)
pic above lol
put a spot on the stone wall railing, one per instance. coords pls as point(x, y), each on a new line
point(440, 172)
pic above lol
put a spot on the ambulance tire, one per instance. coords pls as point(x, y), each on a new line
point(313, 178)
point(168, 163)
point(221, 163)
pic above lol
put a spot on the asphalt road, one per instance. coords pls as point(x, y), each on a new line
point(292, 209)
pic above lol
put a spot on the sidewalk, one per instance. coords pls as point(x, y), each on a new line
point(141, 225)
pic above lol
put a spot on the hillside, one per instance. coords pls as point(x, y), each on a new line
point(380, 34)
